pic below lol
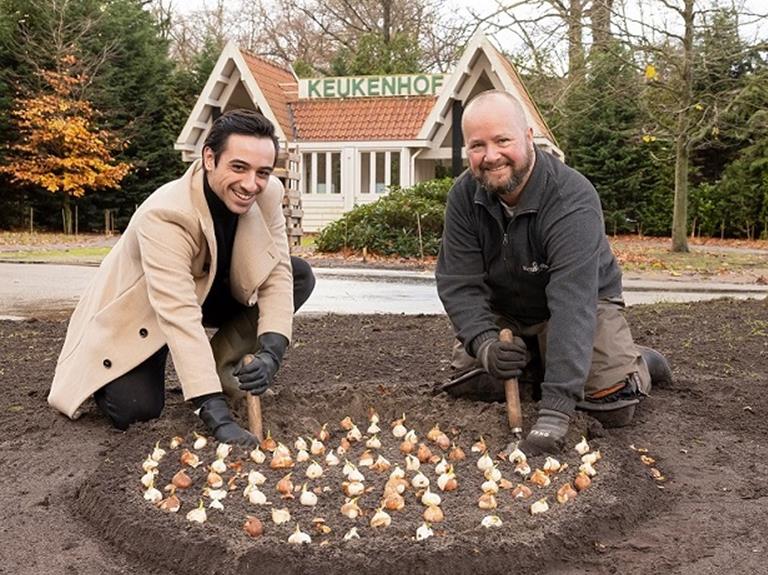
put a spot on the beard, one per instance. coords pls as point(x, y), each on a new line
point(519, 174)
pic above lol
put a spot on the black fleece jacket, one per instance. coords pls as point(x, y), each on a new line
point(550, 262)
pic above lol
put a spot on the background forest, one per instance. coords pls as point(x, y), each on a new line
point(662, 104)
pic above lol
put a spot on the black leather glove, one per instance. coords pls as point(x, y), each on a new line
point(256, 371)
point(501, 359)
point(217, 418)
point(547, 434)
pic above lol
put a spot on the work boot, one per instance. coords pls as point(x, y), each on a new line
point(218, 419)
point(616, 406)
point(658, 366)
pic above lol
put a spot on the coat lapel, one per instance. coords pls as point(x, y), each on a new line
point(206, 220)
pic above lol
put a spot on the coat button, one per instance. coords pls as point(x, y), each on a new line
point(107, 363)
point(143, 332)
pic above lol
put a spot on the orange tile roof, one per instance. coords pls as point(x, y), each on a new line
point(277, 84)
point(360, 119)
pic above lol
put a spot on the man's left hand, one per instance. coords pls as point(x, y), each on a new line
point(255, 372)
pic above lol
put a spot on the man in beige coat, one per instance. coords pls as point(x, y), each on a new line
point(208, 249)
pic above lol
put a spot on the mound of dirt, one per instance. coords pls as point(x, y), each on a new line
point(73, 501)
point(112, 498)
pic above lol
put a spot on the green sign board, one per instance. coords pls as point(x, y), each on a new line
point(371, 86)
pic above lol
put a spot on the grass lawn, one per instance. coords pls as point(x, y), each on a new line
point(636, 254)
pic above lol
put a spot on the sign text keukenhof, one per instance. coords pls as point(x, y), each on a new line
point(371, 86)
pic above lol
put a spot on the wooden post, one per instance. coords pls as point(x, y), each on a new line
point(421, 242)
point(31, 220)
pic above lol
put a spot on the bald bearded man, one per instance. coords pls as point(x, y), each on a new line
point(524, 248)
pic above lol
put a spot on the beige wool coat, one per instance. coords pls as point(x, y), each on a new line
point(149, 290)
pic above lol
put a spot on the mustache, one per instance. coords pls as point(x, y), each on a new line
point(485, 166)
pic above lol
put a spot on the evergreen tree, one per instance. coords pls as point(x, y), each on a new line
point(374, 55)
point(722, 66)
point(744, 184)
point(136, 88)
point(601, 137)
point(19, 19)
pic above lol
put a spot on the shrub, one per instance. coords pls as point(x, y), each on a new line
point(390, 225)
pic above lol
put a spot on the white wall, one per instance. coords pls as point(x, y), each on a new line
point(321, 209)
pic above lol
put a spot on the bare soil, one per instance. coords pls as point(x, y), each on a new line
point(71, 501)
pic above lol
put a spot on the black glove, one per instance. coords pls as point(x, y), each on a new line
point(501, 359)
point(256, 371)
point(547, 434)
point(217, 418)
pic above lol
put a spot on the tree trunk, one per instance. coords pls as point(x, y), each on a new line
point(680, 213)
point(601, 24)
point(575, 34)
point(683, 138)
point(67, 215)
point(386, 6)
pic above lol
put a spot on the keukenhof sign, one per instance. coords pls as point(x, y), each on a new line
point(373, 86)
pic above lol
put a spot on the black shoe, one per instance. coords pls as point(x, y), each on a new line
point(658, 366)
point(616, 417)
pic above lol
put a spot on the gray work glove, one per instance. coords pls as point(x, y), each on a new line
point(503, 360)
point(547, 434)
point(255, 372)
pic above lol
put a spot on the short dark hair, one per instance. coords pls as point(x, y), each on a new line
point(240, 121)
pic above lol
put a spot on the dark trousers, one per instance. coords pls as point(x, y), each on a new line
point(139, 395)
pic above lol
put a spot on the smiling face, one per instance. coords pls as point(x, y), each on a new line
point(499, 145)
point(242, 171)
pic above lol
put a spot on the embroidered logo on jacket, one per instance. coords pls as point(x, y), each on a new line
point(535, 268)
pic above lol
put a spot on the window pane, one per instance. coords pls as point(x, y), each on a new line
point(394, 169)
point(380, 185)
point(335, 173)
point(365, 173)
point(307, 172)
point(321, 188)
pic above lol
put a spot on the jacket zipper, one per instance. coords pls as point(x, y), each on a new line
point(505, 235)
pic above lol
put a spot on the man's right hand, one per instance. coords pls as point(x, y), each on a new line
point(501, 359)
point(217, 417)
point(547, 434)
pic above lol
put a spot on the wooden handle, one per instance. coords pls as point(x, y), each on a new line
point(512, 394)
point(254, 416)
point(253, 404)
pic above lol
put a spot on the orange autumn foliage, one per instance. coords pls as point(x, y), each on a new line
point(59, 148)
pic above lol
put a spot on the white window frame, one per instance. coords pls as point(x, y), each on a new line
point(372, 173)
point(311, 187)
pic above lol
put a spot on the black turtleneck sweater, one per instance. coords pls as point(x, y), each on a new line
point(219, 304)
